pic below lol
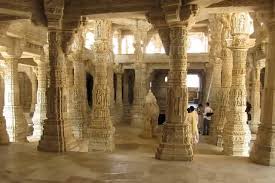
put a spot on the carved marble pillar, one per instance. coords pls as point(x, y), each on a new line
point(57, 133)
point(140, 79)
point(139, 95)
point(226, 79)
point(16, 123)
point(208, 80)
point(100, 129)
point(119, 88)
point(110, 83)
point(77, 113)
point(236, 131)
point(216, 62)
point(4, 138)
point(119, 39)
point(255, 97)
point(125, 88)
point(176, 138)
point(263, 151)
point(41, 106)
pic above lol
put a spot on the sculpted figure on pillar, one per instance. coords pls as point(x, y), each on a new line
point(151, 114)
point(101, 130)
point(15, 120)
point(176, 142)
point(263, 151)
point(236, 131)
point(216, 62)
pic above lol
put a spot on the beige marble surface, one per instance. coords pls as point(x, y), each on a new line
point(132, 161)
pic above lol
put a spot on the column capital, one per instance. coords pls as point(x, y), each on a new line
point(54, 12)
point(240, 23)
point(241, 41)
point(178, 13)
point(14, 51)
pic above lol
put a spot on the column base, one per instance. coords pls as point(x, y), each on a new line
point(236, 140)
point(176, 143)
point(217, 140)
point(77, 127)
point(235, 147)
point(137, 120)
point(101, 139)
point(263, 151)
point(17, 126)
point(57, 137)
point(38, 120)
point(37, 130)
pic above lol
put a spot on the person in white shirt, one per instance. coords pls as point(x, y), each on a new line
point(208, 112)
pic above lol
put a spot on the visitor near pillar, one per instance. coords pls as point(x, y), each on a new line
point(208, 112)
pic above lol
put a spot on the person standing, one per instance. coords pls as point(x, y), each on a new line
point(208, 112)
point(194, 124)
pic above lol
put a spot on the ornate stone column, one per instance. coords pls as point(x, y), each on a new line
point(16, 123)
point(226, 79)
point(77, 113)
point(41, 106)
point(34, 91)
point(236, 132)
point(119, 39)
point(57, 133)
point(256, 96)
point(216, 62)
point(208, 81)
point(263, 151)
point(4, 138)
point(175, 143)
point(139, 94)
point(101, 130)
point(140, 77)
point(119, 103)
point(119, 88)
point(125, 88)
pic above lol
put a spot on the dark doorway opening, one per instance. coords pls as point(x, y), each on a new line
point(161, 119)
point(89, 85)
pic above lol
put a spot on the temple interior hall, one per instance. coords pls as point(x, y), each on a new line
point(137, 91)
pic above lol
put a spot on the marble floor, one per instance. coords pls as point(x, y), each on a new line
point(132, 162)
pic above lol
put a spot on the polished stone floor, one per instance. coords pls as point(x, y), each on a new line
point(132, 162)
